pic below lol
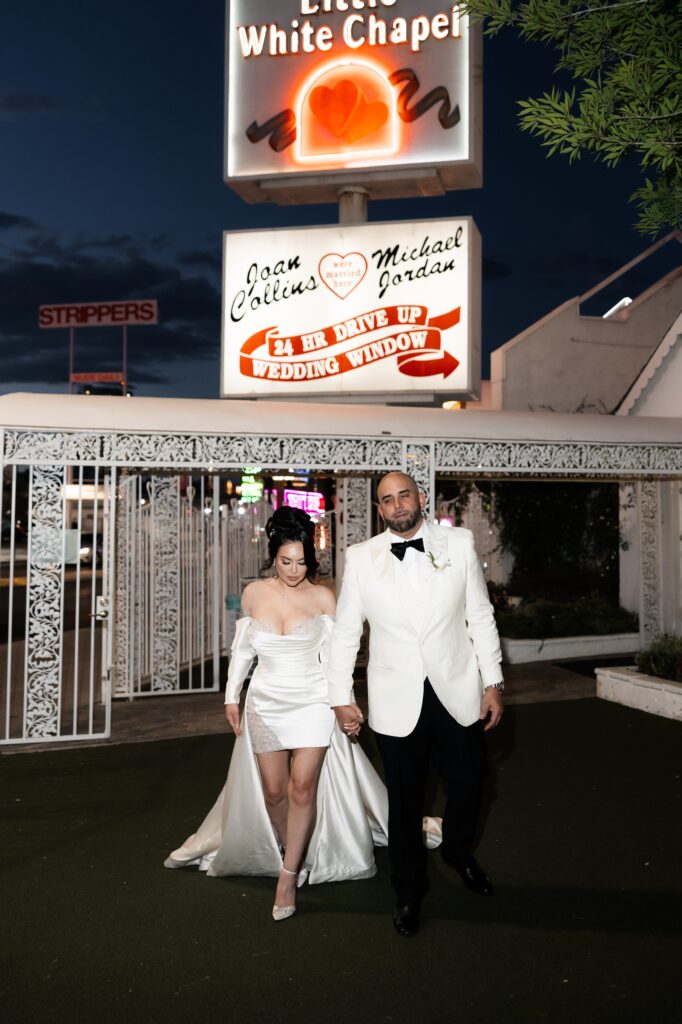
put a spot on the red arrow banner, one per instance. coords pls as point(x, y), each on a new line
point(416, 345)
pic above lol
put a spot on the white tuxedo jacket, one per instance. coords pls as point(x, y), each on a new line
point(442, 628)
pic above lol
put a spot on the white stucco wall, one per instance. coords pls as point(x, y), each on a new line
point(663, 394)
point(570, 363)
point(657, 391)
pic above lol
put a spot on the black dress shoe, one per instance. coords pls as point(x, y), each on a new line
point(406, 919)
point(475, 879)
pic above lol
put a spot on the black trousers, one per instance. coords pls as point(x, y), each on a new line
point(458, 753)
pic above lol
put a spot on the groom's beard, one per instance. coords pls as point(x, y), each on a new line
point(405, 523)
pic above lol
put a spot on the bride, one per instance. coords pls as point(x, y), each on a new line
point(300, 801)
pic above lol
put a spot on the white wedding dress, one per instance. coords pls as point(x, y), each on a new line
point(286, 707)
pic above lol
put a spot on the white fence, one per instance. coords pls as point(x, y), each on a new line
point(153, 612)
point(56, 563)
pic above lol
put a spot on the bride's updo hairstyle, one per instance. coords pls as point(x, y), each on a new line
point(286, 526)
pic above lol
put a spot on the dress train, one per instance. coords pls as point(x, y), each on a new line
point(237, 836)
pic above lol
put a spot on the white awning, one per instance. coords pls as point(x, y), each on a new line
point(303, 419)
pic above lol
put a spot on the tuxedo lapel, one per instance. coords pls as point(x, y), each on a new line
point(382, 562)
point(436, 551)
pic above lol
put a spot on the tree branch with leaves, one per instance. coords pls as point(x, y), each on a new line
point(626, 101)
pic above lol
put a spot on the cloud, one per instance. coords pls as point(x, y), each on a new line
point(8, 221)
point(49, 271)
point(128, 245)
point(22, 104)
point(210, 259)
point(43, 244)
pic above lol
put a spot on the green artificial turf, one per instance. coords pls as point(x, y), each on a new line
point(582, 840)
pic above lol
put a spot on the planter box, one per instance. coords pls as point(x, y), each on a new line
point(635, 690)
point(565, 648)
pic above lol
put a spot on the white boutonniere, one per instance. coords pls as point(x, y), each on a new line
point(439, 563)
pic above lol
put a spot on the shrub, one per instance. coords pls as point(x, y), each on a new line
point(543, 620)
point(663, 658)
point(499, 598)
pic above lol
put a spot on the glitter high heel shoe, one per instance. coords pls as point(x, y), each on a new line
point(282, 913)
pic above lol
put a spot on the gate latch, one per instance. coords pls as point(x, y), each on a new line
point(101, 609)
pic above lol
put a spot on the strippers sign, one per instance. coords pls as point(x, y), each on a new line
point(99, 314)
point(367, 310)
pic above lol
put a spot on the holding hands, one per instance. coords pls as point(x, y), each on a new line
point(350, 719)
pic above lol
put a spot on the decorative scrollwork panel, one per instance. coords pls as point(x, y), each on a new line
point(354, 515)
point(649, 519)
point(550, 457)
point(420, 464)
point(218, 451)
point(73, 448)
point(123, 645)
point(45, 585)
point(214, 452)
point(164, 493)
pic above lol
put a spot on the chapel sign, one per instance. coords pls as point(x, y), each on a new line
point(388, 309)
point(380, 93)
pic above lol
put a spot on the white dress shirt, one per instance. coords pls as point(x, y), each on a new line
point(411, 565)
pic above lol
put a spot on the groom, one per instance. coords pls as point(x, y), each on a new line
point(433, 679)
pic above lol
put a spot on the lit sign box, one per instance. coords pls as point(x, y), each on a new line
point(311, 502)
point(385, 94)
point(364, 310)
point(100, 314)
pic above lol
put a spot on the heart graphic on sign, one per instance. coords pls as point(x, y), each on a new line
point(342, 274)
point(345, 111)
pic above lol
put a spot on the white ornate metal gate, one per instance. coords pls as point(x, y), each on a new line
point(55, 635)
point(56, 563)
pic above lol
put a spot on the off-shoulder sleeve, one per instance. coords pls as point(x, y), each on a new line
point(241, 658)
point(328, 624)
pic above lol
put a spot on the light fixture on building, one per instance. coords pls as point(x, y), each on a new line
point(621, 304)
point(452, 405)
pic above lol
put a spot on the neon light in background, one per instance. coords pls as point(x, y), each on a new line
point(311, 502)
point(251, 488)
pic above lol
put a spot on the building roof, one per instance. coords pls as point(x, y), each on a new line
point(307, 419)
point(651, 376)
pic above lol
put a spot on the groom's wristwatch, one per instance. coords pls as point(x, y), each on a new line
point(495, 686)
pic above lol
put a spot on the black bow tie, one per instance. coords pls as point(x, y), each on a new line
point(400, 547)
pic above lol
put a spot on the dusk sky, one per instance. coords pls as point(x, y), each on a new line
point(111, 121)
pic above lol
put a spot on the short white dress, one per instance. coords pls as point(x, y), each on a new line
point(287, 707)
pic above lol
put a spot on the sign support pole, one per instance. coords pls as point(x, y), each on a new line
point(125, 358)
point(72, 347)
point(353, 205)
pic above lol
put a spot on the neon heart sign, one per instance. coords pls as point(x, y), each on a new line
point(345, 111)
point(348, 108)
